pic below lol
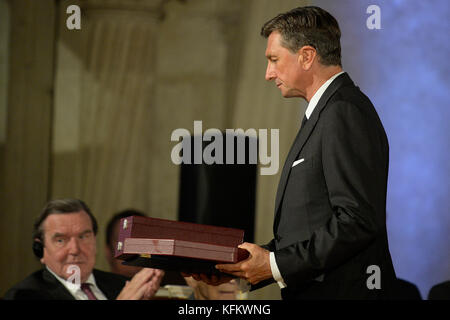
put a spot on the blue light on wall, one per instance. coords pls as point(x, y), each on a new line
point(404, 69)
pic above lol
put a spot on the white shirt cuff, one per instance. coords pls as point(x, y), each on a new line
point(275, 271)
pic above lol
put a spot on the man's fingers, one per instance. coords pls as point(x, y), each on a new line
point(247, 246)
point(147, 274)
point(150, 288)
point(142, 285)
point(139, 294)
point(238, 274)
point(229, 267)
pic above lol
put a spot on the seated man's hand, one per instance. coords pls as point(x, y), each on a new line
point(142, 286)
point(153, 284)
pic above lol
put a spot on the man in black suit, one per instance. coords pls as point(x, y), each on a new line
point(330, 239)
point(64, 240)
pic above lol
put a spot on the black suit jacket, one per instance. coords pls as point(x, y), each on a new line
point(42, 285)
point(440, 291)
point(330, 210)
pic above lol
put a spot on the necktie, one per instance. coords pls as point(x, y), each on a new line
point(303, 121)
point(87, 290)
point(284, 174)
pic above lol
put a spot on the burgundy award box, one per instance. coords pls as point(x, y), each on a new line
point(179, 246)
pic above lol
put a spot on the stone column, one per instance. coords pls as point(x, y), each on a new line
point(104, 83)
point(24, 181)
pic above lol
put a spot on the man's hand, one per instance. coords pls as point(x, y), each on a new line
point(153, 284)
point(254, 269)
point(142, 286)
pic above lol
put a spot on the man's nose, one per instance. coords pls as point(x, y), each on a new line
point(74, 246)
point(270, 73)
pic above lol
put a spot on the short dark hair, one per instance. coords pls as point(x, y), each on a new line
point(308, 26)
point(116, 218)
point(61, 206)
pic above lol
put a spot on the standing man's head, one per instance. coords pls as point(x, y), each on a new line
point(64, 235)
point(303, 46)
point(112, 234)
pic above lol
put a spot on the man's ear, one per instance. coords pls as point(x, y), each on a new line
point(306, 57)
point(42, 260)
point(38, 249)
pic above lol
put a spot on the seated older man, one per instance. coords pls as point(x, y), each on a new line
point(64, 240)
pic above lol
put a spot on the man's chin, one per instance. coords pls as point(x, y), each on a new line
point(78, 267)
point(288, 94)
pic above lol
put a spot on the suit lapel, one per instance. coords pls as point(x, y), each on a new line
point(55, 288)
point(302, 137)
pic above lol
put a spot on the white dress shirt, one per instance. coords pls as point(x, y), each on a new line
point(309, 110)
point(75, 289)
point(316, 97)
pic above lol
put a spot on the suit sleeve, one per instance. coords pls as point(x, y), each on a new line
point(352, 160)
point(270, 246)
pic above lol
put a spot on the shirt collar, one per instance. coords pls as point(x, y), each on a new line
point(316, 97)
